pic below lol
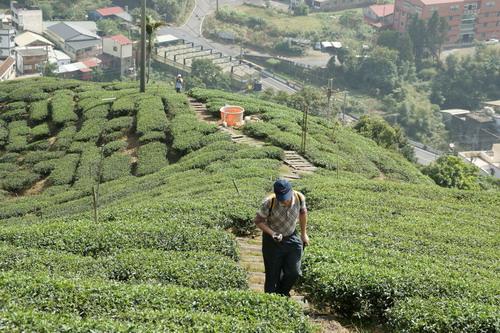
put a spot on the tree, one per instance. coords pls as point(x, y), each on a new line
point(205, 72)
point(109, 27)
point(385, 136)
point(436, 35)
point(50, 69)
point(151, 28)
point(378, 70)
point(416, 32)
point(452, 171)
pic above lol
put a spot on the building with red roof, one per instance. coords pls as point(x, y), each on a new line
point(468, 20)
point(379, 15)
point(109, 13)
point(117, 55)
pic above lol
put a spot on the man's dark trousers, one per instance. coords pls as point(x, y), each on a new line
point(281, 257)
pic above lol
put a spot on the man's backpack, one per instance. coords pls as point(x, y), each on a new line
point(273, 201)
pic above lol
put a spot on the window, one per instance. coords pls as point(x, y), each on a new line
point(407, 5)
point(483, 35)
point(498, 23)
point(470, 6)
point(402, 23)
point(454, 8)
point(490, 4)
point(449, 28)
point(485, 24)
point(486, 14)
point(433, 9)
point(450, 18)
point(115, 48)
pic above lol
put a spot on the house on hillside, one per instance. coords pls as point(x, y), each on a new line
point(114, 12)
point(31, 59)
point(29, 38)
point(7, 69)
point(473, 130)
point(488, 161)
point(7, 44)
point(117, 55)
point(380, 16)
point(77, 42)
point(25, 17)
point(467, 20)
point(81, 70)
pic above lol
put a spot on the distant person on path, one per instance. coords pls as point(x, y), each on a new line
point(282, 247)
point(178, 83)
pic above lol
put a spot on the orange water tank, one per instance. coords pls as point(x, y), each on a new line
point(231, 114)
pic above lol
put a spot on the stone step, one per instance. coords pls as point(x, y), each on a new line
point(257, 277)
point(251, 258)
point(257, 287)
point(252, 266)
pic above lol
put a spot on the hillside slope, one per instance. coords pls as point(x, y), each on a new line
point(385, 242)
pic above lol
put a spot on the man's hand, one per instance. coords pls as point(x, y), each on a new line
point(277, 237)
point(305, 239)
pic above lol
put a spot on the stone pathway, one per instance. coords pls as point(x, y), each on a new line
point(251, 246)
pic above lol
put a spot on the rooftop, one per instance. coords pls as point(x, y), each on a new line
point(382, 10)
point(110, 11)
point(6, 64)
point(122, 40)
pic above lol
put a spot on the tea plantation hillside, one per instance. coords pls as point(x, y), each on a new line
point(387, 244)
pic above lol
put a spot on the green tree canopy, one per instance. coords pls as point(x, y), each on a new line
point(452, 171)
point(205, 73)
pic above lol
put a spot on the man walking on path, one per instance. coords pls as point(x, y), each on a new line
point(282, 247)
point(178, 83)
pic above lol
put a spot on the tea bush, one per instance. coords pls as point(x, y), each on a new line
point(114, 146)
point(39, 111)
point(40, 131)
point(116, 166)
point(64, 170)
point(18, 180)
point(151, 158)
point(62, 109)
point(64, 138)
point(28, 94)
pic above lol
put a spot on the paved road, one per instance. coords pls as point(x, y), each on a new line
point(424, 157)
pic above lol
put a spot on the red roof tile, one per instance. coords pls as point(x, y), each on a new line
point(122, 40)
point(383, 10)
point(110, 11)
point(90, 63)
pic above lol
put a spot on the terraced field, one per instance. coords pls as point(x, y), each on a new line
point(173, 193)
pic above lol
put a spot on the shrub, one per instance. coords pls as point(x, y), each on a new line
point(190, 269)
point(38, 156)
point(114, 146)
point(65, 137)
point(64, 169)
point(119, 123)
point(116, 166)
point(9, 157)
point(28, 94)
point(39, 145)
point(17, 180)
point(62, 109)
point(40, 131)
point(87, 238)
point(91, 130)
point(152, 136)
point(39, 111)
point(150, 158)
point(151, 116)
point(16, 114)
point(41, 302)
point(124, 106)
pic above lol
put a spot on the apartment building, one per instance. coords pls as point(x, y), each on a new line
point(468, 20)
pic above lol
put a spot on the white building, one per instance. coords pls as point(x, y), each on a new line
point(487, 161)
point(7, 44)
point(118, 52)
point(25, 17)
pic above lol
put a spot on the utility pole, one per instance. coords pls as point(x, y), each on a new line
point(329, 96)
point(304, 129)
point(143, 46)
point(343, 107)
